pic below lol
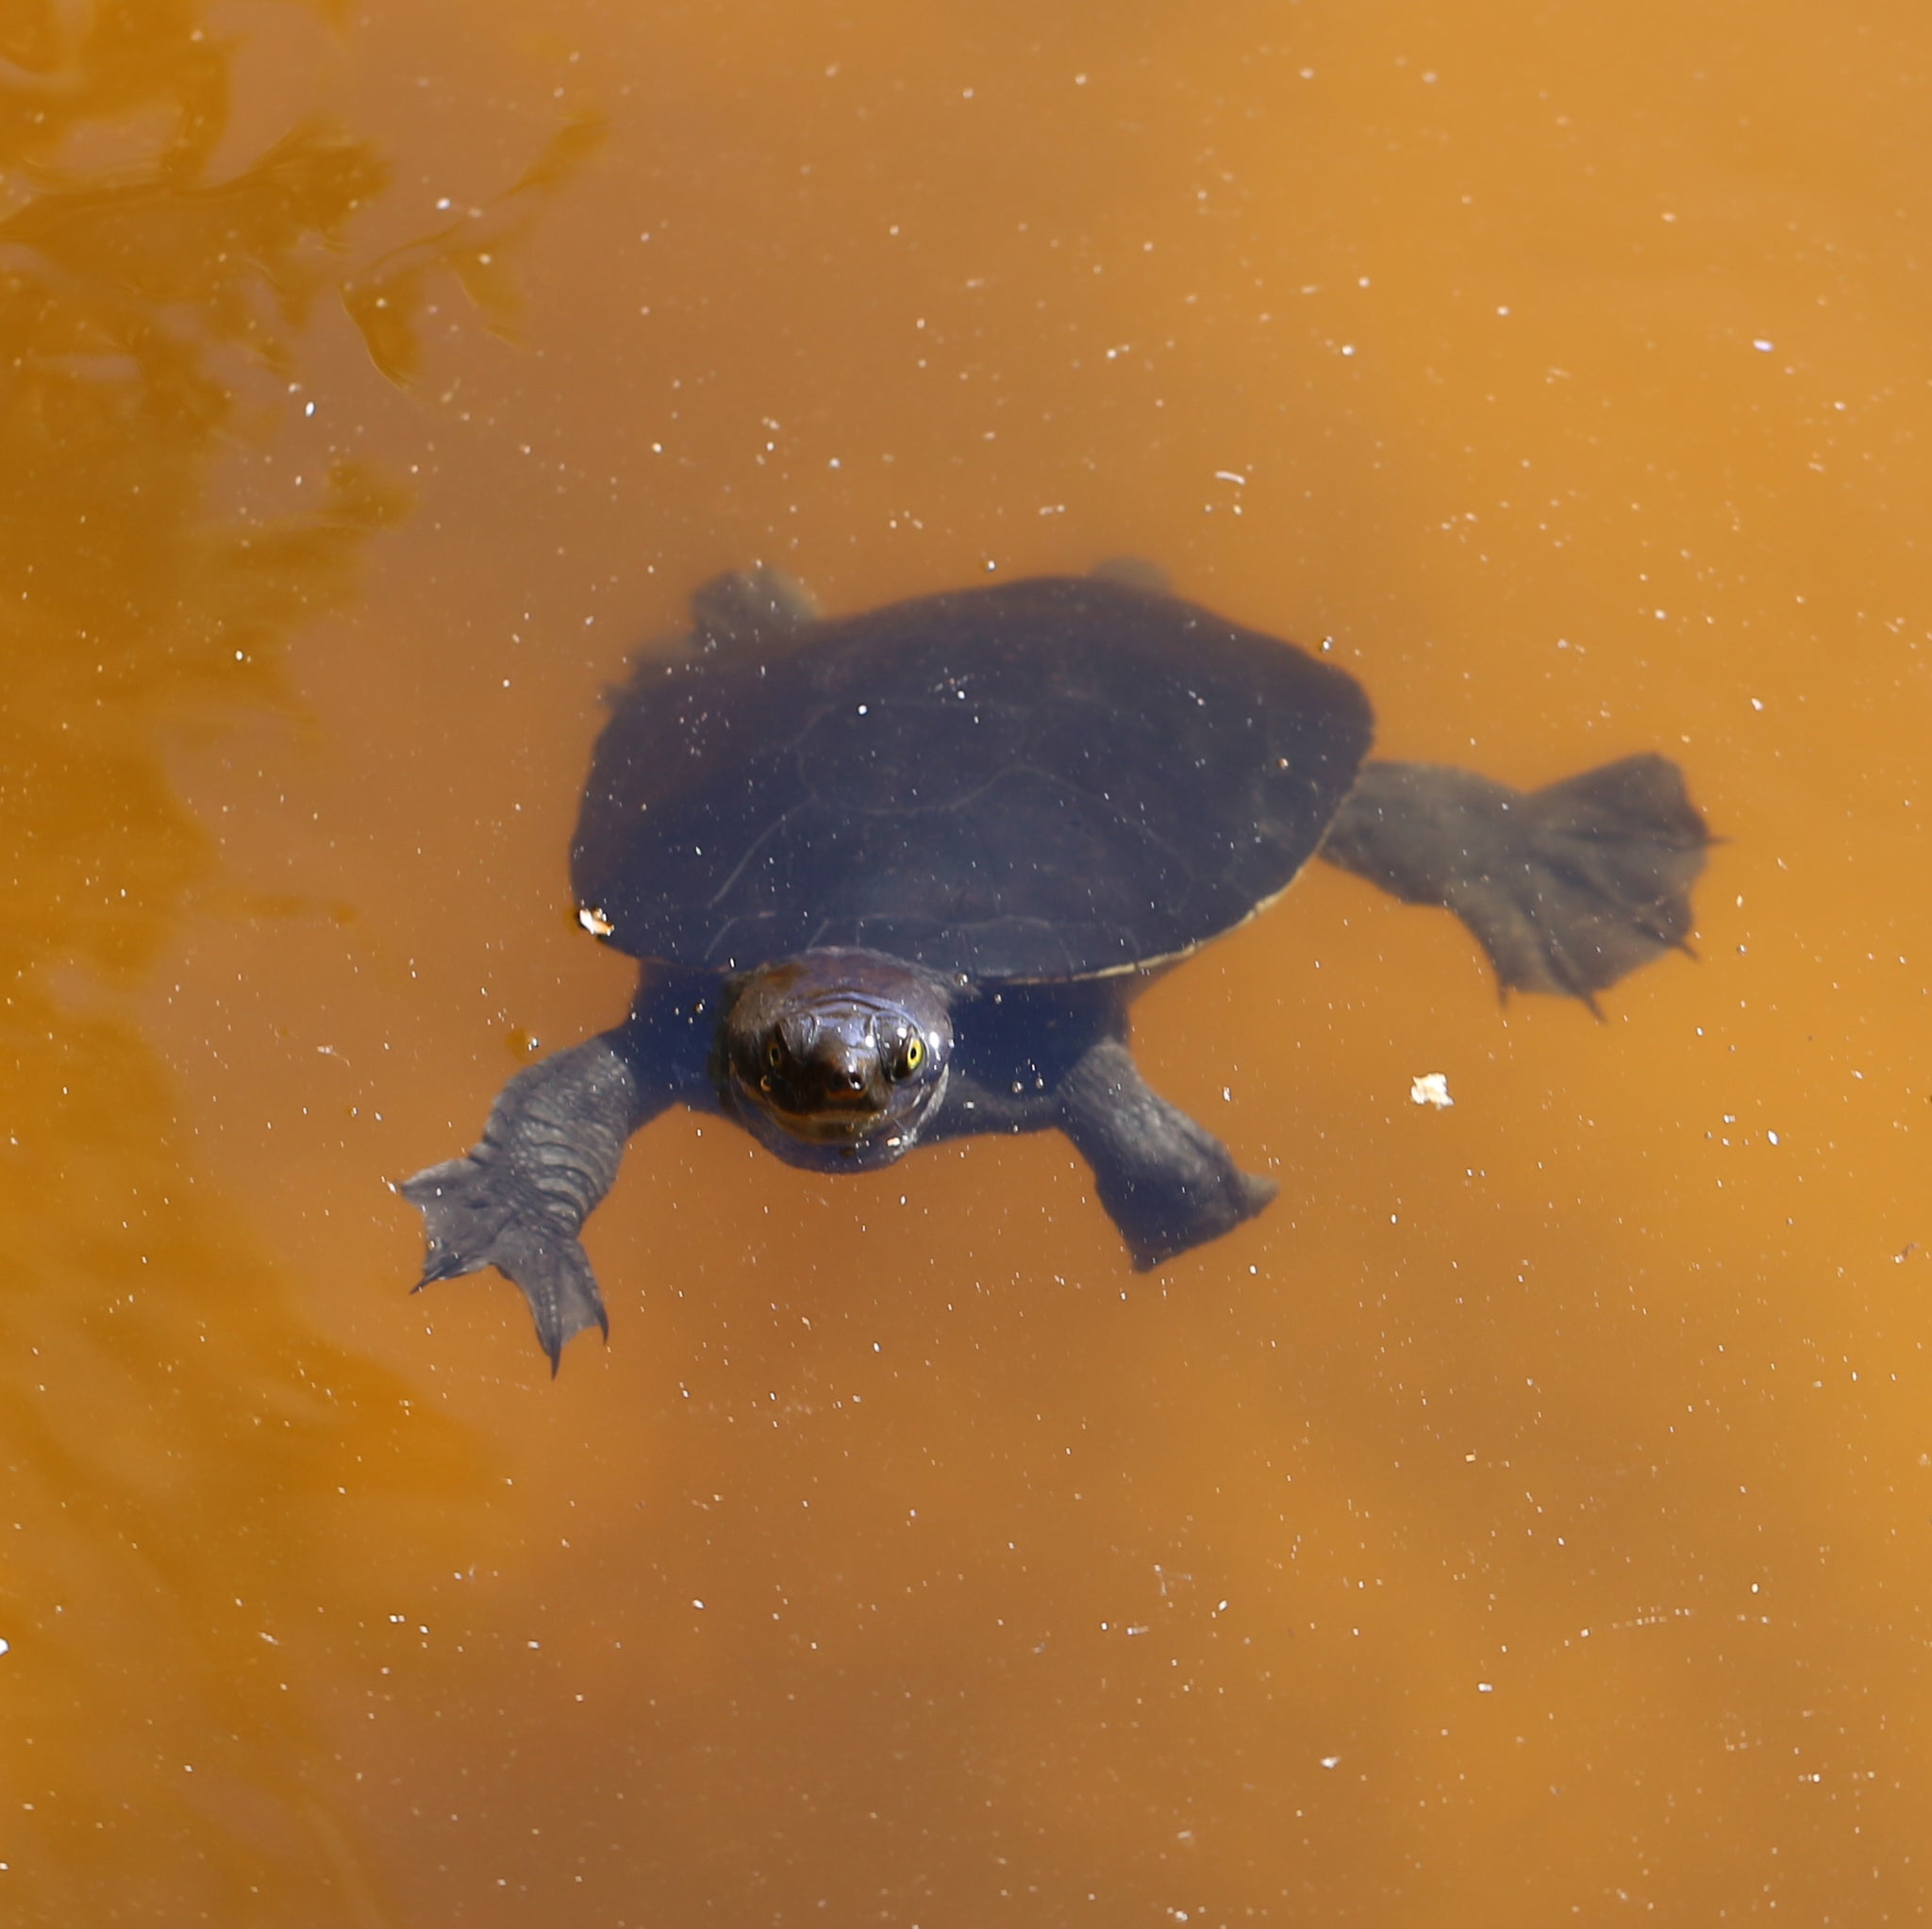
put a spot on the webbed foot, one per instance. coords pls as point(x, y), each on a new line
point(547, 1155)
point(476, 1216)
point(1568, 888)
point(1160, 1216)
point(1167, 1183)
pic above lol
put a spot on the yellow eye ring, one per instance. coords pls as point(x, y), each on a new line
point(914, 1053)
point(774, 1054)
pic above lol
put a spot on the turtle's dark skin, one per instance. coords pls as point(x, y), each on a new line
point(895, 877)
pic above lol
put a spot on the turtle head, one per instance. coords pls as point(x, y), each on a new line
point(836, 1058)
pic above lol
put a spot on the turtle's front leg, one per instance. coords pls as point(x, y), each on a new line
point(518, 1198)
point(1167, 1183)
point(1567, 888)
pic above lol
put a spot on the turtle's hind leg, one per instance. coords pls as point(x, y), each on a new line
point(1567, 889)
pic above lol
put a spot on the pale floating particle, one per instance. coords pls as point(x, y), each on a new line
point(1331, 1761)
point(1431, 1088)
point(594, 922)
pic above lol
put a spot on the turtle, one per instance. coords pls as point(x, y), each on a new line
point(895, 877)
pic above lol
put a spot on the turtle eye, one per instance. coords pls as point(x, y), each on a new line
point(911, 1054)
point(774, 1054)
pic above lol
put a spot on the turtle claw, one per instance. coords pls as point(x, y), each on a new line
point(474, 1217)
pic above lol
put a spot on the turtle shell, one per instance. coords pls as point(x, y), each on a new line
point(1048, 779)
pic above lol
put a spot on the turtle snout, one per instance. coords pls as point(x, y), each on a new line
point(845, 1068)
point(829, 1066)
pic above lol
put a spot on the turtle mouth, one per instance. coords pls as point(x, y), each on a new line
point(837, 1118)
point(835, 1121)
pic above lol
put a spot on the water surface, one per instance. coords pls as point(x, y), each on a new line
point(1529, 1518)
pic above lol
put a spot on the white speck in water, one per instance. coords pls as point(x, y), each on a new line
point(1430, 1089)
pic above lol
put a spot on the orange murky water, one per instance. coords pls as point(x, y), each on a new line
point(1529, 1518)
